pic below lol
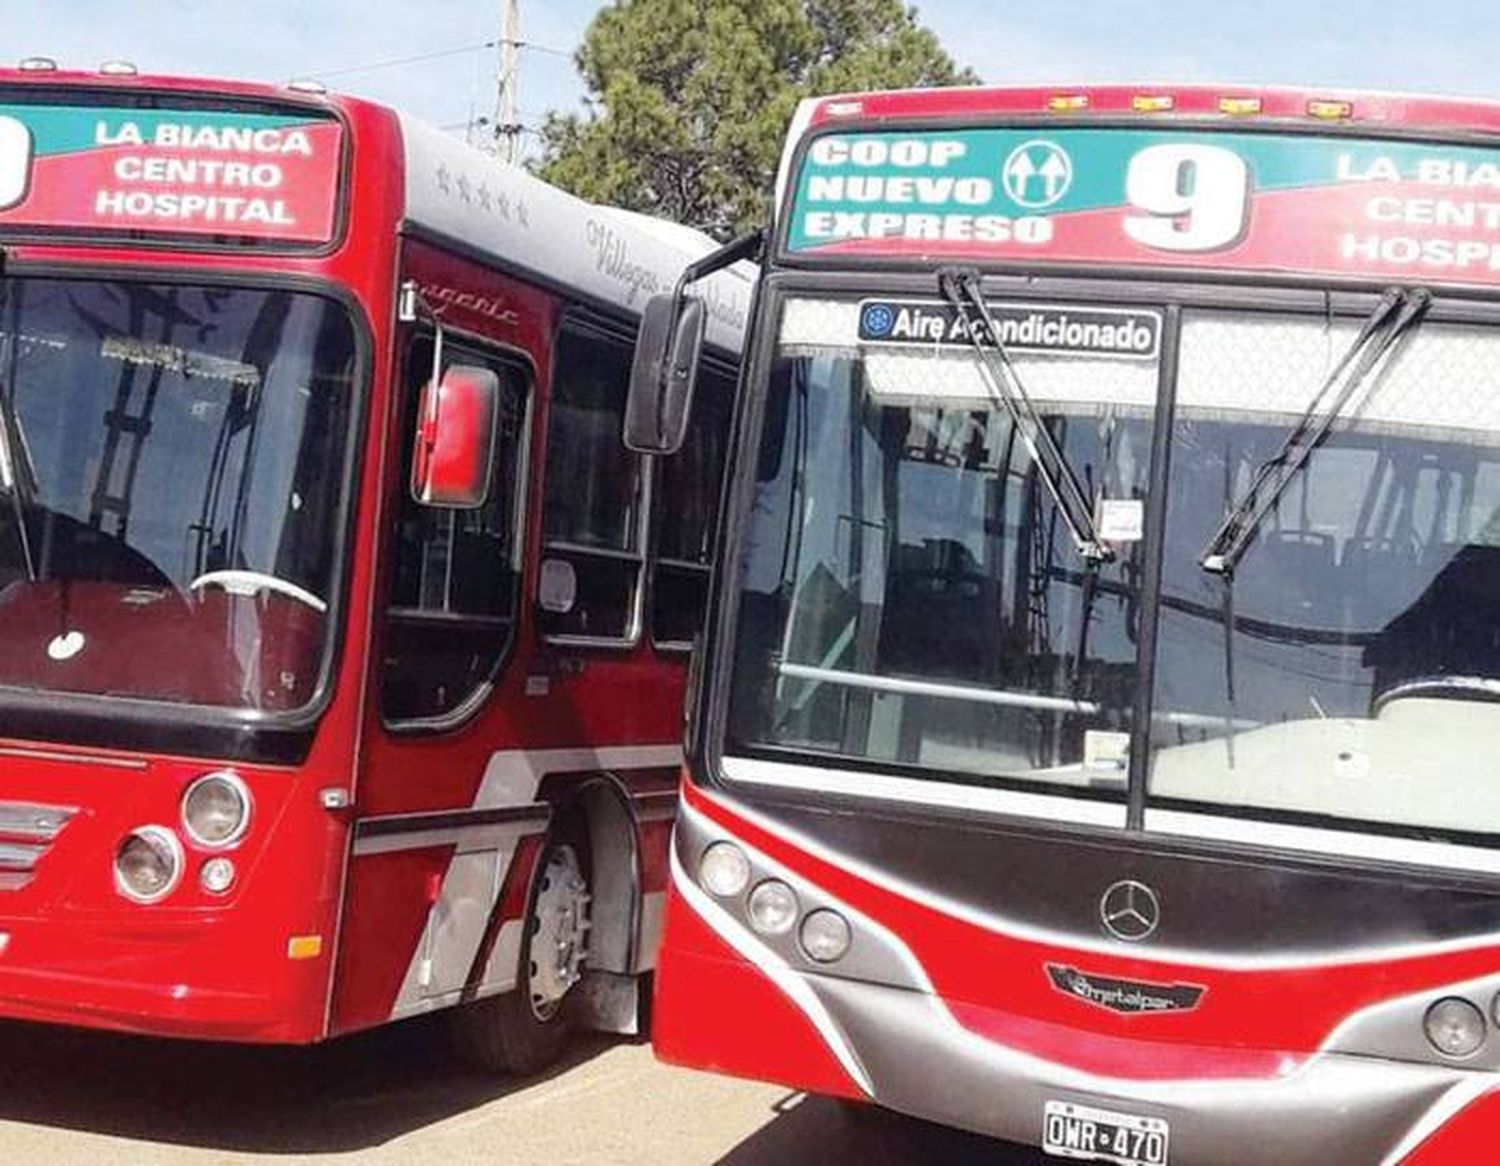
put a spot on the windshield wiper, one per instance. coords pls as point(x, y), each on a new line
point(1394, 316)
point(961, 287)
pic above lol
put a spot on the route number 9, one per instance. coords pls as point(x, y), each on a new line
point(1196, 197)
point(15, 161)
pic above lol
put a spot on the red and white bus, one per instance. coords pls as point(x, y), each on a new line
point(1091, 746)
point(342, 646)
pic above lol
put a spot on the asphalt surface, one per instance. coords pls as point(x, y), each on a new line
point(397, 1096)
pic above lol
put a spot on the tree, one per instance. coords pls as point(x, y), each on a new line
point(689, 100)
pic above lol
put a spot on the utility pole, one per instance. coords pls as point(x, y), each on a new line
point(507, 124)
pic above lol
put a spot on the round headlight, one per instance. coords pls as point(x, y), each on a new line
point(1455, 1027)
point(148, 864)
point(773, 908)
point(216, 809)
point(825, 936)
point(724, 870)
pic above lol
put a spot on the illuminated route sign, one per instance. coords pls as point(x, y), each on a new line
point(87, 169)
point(1251, 202)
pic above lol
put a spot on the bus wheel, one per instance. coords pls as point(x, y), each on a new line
point(524, 1031)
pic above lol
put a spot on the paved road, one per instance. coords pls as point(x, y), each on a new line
point(395, 1097)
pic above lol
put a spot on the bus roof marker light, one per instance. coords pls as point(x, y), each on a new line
point(118, 69)
point(1240, 106)
point(37, 65)
point(1068, 102)
point(1153, 103)
point(825, 936)
point(1330, 110)
point(844, 108)
point(307, 85)
point(1455, 1027)
point(724, 870)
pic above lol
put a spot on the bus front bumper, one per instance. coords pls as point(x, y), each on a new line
point(195, 978)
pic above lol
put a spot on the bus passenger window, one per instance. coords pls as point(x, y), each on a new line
point(591, 510)
point(451, 613)
point(686, 496)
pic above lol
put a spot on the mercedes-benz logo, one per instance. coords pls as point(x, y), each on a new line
point(1129, 910)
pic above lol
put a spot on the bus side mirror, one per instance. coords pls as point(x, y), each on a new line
point(663, 374)
point(453, 461)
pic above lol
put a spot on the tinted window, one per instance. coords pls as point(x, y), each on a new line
point(454, 582)
point(687, 500)
point(172, 471)
point(592, 509)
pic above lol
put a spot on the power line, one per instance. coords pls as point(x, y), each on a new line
point(439, 54)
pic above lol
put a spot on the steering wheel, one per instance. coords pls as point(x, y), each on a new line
point(249, 582)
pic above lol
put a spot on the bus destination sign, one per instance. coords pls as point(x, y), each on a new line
point(1230, 201)
point(85, 169)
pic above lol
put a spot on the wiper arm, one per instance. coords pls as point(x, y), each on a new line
point(1396, 314)
point(961, 287)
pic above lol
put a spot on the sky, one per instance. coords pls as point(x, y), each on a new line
point(366, 46)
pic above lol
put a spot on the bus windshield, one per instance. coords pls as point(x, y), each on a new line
point(912, 596)
point(172, 471)
point(909, 601)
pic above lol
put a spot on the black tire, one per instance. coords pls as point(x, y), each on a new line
point(505, 1034)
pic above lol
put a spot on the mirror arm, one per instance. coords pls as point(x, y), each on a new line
point(750, 246)
point(745, 247)
point(411, 306)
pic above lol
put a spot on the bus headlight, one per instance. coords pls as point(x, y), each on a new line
point(1455, 1027)
point(724, 870)
point(773, 908)
point(216, 809)
point(148, 864)
point(825, 936)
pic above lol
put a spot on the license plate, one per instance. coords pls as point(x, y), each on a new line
point(1102, 1135)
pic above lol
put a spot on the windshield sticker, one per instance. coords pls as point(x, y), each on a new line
point(195, 172)
point(1252, 202)
point(1023, 327)
point(172, 358)
point(1121, 520)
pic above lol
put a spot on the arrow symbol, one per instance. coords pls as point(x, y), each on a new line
point(1022, 171)
point(1054, 174)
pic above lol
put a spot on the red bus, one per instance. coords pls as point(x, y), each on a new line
point(342, 646)
point(1090, 749)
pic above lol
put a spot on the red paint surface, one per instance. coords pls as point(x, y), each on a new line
point(1437, 113)
point(714, 1010)
point(1467, 1139)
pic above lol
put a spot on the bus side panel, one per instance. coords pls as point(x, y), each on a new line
point(485, 787)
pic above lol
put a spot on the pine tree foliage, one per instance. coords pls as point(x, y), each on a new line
point(689, 100)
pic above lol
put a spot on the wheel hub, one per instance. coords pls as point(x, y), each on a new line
point(559, 931)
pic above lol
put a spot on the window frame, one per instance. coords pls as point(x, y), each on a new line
point(598, 327)
point(457, 341)
point(709, 361)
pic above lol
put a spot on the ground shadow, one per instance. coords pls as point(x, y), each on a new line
point(346, 1095)
point(810, 1129)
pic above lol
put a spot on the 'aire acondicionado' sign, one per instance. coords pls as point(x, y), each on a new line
point(1253, 202)
point(87, 169)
